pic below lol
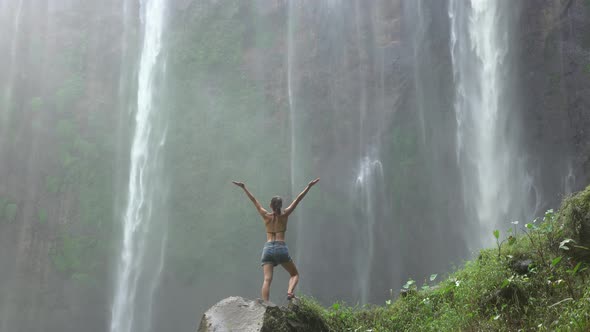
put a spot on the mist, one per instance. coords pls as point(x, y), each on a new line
point(122, 124)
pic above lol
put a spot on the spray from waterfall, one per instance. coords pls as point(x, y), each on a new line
point(137, 277)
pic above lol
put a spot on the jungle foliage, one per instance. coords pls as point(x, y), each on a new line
point(535, 279)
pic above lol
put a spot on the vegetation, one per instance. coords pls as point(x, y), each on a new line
point(534, 280)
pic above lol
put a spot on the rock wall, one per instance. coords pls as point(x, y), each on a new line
point(554, 45)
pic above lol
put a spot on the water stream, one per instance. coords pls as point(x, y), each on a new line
point(137, 279)
point(496, 185)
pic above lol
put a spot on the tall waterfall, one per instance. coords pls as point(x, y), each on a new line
point(342, 101)
point(144, 236)
point(7, 89)
point(496, 185)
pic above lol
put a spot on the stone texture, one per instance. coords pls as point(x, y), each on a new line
point(234, 314)
point(239, 314)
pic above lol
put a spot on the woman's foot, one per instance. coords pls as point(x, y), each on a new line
point(290, 296)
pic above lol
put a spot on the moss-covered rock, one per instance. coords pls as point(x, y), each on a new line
point(575, 217)
point(238, 314)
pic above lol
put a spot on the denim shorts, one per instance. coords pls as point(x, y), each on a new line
point(275, 253)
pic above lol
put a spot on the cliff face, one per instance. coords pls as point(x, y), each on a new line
point(59, 144)
point(66, 122)
point(554, 45)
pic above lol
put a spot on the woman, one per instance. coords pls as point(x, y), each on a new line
point(275, 250)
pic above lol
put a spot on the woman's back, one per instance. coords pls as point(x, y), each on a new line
point(276, 226)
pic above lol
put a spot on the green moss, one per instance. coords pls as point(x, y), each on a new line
point(42, 215)
point(70, 92)
point(36, 104)
point(10, 211)
point(307, 316)
point(52, 184)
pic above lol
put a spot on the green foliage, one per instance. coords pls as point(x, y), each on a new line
point(410, 284)
point(36, 104)
point(52, 184)
point(69, 93)
point(10, 211)
point(42, 215)
point(490, 293)
point(74, 256)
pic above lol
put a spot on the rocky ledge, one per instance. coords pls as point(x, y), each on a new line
point(239, 314)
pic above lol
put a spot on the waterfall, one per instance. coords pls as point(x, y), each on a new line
point(292, 112)
point(143, 234)
point(6, 101)
point(369, 186)
point(13, 16)
point(569, 179)
point(496, 185)
point(342, 103)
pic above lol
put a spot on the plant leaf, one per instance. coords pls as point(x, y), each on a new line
point(505, 283)
point(556, 261)
point(409, 284)
point(562, 244)
point(496, 234)
point(432, 277)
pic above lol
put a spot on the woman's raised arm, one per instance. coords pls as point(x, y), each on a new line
point(293, 205)
point(259, 207)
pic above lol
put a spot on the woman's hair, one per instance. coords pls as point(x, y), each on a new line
point(275, 204)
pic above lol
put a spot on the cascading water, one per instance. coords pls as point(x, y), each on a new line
point(369, 189)
point(144, 235)
point(291, 52)
point(7, 89)
point(569, 179)
point(496, 186)
point(11, 18)
point(342, 104)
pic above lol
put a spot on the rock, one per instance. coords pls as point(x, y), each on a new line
point(405, 292)
point(521, 266)
point(234, 314)
point(575, 216)
point(239, 314)
point(511, 294)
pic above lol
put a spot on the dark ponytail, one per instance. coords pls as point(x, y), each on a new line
point(275, 204)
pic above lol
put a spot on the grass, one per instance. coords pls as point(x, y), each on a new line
point(534, 280)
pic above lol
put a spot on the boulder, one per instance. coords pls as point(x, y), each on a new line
point(521, 266)
point(234, 314)
point(575, 216)
point(239, 314)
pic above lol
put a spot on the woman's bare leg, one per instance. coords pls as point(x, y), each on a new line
point(292, 269)
point(267, 268)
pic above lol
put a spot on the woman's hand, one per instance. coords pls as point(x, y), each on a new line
point(313, 182)
point(239, 184)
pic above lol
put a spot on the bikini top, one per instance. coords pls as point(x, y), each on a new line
point(278, 224)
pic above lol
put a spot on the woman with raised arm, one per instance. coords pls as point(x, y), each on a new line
point(275, 250)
